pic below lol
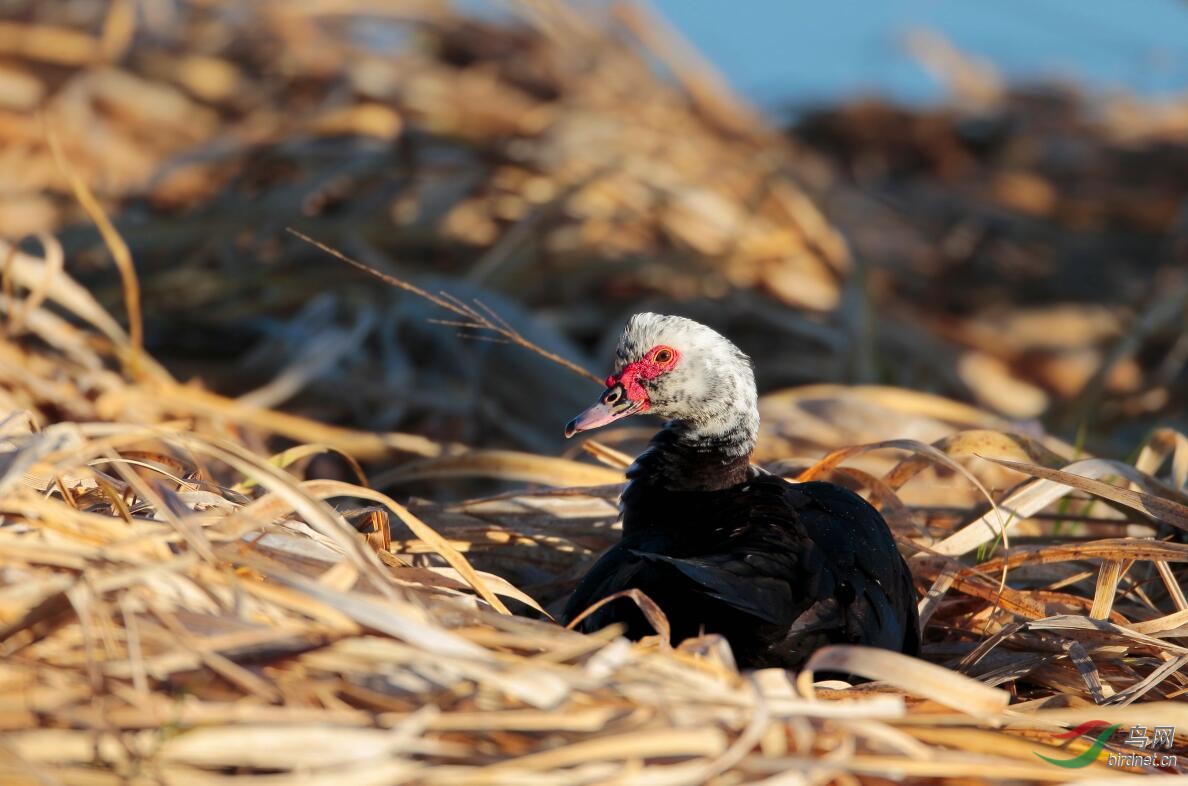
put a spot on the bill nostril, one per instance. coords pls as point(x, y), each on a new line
point(612, 395)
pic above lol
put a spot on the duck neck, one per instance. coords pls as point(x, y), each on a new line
point(686, 456)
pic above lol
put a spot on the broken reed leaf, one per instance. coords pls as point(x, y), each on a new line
point(1162, 443)
point(912, 676)
point(252, 684)
point(1141, 688)
point(1028, 604)
point(1158, 508)
point(1110, 548)
point(932, 598)
point(1107, 587)
point(1032, 497)
point(1088, 671)
point(1172, 583)
point(1105, 630)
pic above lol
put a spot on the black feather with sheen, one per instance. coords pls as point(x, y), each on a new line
point(779, 569)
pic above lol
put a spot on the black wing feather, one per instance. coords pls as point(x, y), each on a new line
point(779, 569)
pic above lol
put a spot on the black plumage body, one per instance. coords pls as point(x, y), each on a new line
point(779, 569)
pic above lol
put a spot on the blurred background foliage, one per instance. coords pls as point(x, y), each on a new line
point(1018, 244)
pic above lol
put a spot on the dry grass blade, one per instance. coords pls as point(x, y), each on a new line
point(653, 745)
point(120, 254)
point(299, 452)
point(1159, 508)
point(1101, 629)
point(1146, 685)
point(928, 452)
point(359, 444)
point(502, 464)
point(1107, 588)
point(607, 455)
point(1165, 442)
point(264, 747)
point(648, 607)
point(55, 260)
point(1172, 584)
point(976, 442)
point(33, 274)
point(1050, 486)
point(912, 676)
point(1127, 548)
point(327, 488)
point(1098, 689)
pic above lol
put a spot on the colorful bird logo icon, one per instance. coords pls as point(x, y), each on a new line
point(1089, 755)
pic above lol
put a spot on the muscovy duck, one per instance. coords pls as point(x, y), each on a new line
point(777, 568)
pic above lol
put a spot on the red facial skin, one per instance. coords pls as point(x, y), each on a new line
point(647, 368)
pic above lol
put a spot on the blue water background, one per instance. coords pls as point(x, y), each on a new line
point(793, 53)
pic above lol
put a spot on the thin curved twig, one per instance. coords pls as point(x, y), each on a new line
point(481, 318)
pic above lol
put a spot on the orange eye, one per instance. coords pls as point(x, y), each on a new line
point(663, 356)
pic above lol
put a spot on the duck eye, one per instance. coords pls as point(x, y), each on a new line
point(663, 357)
